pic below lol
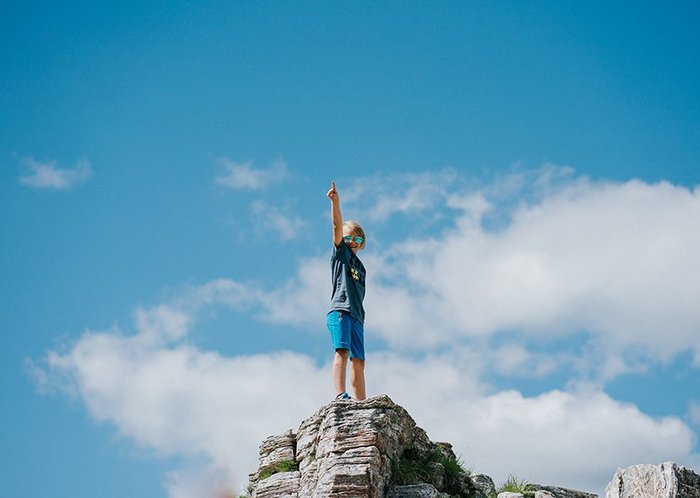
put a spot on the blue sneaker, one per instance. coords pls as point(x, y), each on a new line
point(343, 397)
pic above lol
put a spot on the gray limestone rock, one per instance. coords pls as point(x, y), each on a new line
point(666, 480)
point(509, 494)
point(557, 492)
point(276, 449)
point(280, 485)
point(413, 491)
point(484, 483)
point(351, 449)
point(354, 472)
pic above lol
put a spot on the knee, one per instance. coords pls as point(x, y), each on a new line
point(358, 363)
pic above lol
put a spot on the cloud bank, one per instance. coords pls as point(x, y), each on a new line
point(543, 254)
point(212, 411)
point(618, 261)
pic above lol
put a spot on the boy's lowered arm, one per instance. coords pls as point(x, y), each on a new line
point(336, 217)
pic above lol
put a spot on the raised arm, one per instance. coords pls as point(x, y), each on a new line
point(336, 217)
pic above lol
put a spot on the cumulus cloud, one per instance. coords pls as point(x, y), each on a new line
point(210, 410)
point(242, 175)
point(177, 400)
point(615, 260)
point(46, 175)
point(200, 479)
point(614, 263)
point(516, 360)
point(570, 438)
point(549, 436)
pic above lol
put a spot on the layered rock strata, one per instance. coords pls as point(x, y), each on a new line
point(374, 449)
point(370, 449)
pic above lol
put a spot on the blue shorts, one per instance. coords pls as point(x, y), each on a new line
point(347, 333)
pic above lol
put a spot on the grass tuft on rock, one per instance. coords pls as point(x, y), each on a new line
point(453, 465)
point(516, 485)
point(281, 466)
point(407, 471)
point(437, 466)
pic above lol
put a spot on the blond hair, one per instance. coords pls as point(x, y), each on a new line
point(357, 228)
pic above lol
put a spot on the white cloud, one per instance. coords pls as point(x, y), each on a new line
point(176, 400)
point(307, 293)
point(571, 439)
point(242, 175)
point(279, 222)
point(162, 324)
point(426, 195)
point(212, 411)
point(380, 197)
point(200, 480)
point(516, 360)
point(46, 175)
point(616, 260)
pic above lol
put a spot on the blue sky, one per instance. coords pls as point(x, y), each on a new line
point(527, 174)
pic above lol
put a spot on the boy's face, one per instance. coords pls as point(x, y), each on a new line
point(352, 244)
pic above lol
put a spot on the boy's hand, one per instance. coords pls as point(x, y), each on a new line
point(332, 193)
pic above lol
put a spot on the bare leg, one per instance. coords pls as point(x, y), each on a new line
point(340, 363)
point(357, 378)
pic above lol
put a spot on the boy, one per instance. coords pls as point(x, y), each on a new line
point(346, 318)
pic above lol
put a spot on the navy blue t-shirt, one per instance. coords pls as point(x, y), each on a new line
point(348, 277)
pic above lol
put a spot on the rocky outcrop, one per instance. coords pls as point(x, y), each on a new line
point(666, 480)
point(370, 449)
point(539, 491)
point(374, 449)
point(557, 492)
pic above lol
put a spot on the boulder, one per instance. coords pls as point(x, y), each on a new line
point(483, 483)
point(666, 480)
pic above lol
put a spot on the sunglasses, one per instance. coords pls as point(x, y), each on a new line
point(350, 238)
